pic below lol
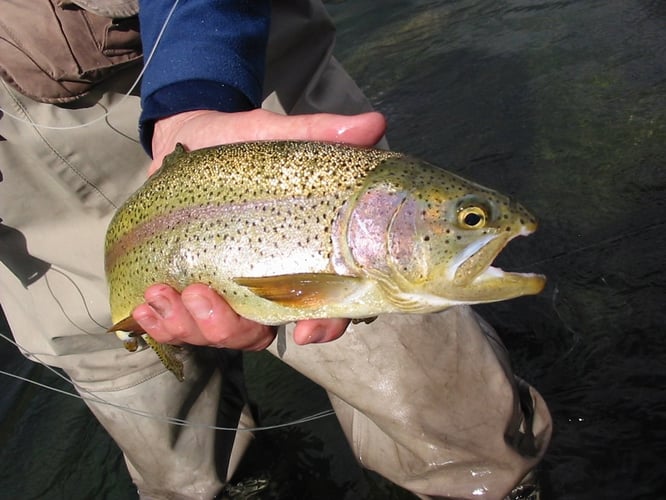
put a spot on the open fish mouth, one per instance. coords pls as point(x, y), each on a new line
point(473, 271)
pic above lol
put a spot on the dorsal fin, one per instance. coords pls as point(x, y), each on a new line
point(173, 157)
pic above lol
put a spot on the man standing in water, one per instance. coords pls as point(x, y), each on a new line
point(452, 421)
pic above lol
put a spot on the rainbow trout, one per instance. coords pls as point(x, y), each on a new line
point(294, 230)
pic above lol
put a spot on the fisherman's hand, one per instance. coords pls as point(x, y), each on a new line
point(200, 129)
point(199, 316)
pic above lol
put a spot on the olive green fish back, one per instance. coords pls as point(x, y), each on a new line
point(245, 172)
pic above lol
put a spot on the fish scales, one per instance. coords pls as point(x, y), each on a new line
point(289, 230)
point(237, 197)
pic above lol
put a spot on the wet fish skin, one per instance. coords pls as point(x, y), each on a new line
point(288, 230)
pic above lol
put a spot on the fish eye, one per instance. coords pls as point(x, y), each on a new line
point(473, 217)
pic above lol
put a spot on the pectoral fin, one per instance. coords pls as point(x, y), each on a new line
point(307, 291)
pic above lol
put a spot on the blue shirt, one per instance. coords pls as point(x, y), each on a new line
point(211, 56)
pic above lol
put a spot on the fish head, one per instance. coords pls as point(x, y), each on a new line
point(445, 234)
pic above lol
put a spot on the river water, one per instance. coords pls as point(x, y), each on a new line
point(561, 104)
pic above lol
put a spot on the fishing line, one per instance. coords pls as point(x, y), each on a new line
point(92, 397)
point(62, 308)
point(29, 121)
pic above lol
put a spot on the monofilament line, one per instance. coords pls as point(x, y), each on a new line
point(93, 398)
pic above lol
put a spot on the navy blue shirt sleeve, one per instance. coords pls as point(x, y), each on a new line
point(211, 56)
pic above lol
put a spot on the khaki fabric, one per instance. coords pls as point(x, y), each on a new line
point(428, 401)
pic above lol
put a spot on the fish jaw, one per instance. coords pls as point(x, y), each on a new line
point(494, 285)
point(475, 280)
